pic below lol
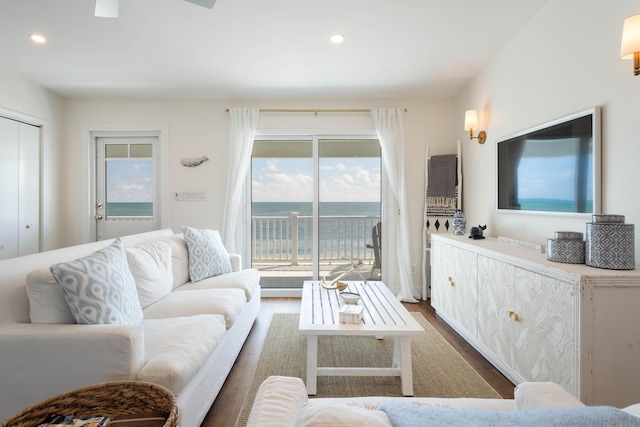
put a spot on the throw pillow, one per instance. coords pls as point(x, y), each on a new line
point(46, 299)
point(99, 288)
point(151, 267)
point(207, 255)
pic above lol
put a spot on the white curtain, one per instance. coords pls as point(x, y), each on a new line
point(242, 130)
point(389, 124)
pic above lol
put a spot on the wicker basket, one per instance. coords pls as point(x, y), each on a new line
point(113, 399)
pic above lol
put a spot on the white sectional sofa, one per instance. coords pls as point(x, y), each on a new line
point(282, 402)
point(188, 338)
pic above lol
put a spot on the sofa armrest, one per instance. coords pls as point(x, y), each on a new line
point(40, 360)
point(236, 262)
point(277, 402)
point(539, 395)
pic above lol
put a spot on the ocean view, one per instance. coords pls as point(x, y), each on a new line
point(130, 209)
point(325, 208)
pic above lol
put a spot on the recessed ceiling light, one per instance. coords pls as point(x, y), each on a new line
point(37, 38)
point(337, 38)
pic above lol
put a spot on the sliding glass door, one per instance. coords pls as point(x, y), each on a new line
point(315, 204)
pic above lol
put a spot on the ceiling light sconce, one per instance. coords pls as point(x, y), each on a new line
point(106, 8)
point(37, 38)
point(471, 123)
point(630, 48)
point(336, 38)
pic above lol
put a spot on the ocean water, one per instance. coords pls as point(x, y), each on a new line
point(130, 209)
point(324, 208)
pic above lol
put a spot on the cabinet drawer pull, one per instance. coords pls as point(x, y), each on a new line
point(451, 282)
point(514, 315)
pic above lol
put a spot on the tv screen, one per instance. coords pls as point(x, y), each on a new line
point(554, 167)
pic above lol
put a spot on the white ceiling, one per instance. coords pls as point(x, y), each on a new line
point(258, 48)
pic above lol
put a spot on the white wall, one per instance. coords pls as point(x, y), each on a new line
point(18, 95)
point(199, 128)
point(564, 61)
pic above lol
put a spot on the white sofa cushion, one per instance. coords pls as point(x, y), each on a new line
point(99, 288)
point(151, 267)
point(179, 259)
point(207, 255)
point(227, 302)
point(176, 348)
point(248, 280)
point(46, 300)
point(325, 414)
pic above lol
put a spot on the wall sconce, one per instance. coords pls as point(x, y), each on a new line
point(630, 48)
point(471, 123)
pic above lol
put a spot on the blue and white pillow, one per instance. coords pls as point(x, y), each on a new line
point(207, 255)
point(99, 288)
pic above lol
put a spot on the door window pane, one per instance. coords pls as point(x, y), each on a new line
point(141, 150)
point(114, 151)
point(129, 188)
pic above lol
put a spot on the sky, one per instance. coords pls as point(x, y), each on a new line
point(129, 180)
point(291, 180)
point(273, 180)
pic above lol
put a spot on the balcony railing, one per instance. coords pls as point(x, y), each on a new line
point(288, 239)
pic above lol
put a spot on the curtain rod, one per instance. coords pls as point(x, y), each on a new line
point(315, 110)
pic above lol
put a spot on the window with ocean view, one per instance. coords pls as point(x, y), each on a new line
point(289, 243)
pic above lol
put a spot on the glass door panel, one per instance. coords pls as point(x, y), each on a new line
point(282, 212)
point(349, 208)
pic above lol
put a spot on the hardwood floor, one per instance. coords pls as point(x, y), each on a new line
point(228, 404)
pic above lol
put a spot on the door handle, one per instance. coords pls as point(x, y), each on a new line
point(98, 216)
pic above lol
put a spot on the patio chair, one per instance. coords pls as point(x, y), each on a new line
point(376, 269)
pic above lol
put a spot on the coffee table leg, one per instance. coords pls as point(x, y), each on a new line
point(312, 363)
point(402, 360)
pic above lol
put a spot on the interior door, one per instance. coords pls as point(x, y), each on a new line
point(127, 193)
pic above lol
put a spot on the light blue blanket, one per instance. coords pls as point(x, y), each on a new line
point(407, 415)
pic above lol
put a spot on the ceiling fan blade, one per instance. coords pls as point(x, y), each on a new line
point(204, 3)
point(106, 8)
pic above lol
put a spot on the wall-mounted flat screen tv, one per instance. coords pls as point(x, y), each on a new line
point(554, 167)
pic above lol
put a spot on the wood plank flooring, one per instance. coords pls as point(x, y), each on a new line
point(228, 404)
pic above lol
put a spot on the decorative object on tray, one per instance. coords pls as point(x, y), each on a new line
point(476, 233)
point(336, 284)
point(351, 314)
point(350, 297)
point(459, 223)
point(567, 247)
point(610, 243)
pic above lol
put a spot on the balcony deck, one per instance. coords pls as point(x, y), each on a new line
point(285, 276)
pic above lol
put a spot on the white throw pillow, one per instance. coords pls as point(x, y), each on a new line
point(207, 255)
point(46, 299)
point(151, 267)
point(99, 288)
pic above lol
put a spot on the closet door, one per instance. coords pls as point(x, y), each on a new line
point(29, 190)
point(19, 188)
point(9, 162)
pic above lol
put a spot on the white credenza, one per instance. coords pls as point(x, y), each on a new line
point(537, 320)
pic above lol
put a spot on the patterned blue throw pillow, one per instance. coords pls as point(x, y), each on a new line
point(99, 288)
point(207, 255)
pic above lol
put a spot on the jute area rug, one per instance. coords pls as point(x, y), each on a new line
point(438, 369)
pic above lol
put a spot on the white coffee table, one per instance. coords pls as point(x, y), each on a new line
point(384, 315)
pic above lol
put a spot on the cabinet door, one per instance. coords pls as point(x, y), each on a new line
point(496, 312)
point(454, 285)
point(545, 341)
